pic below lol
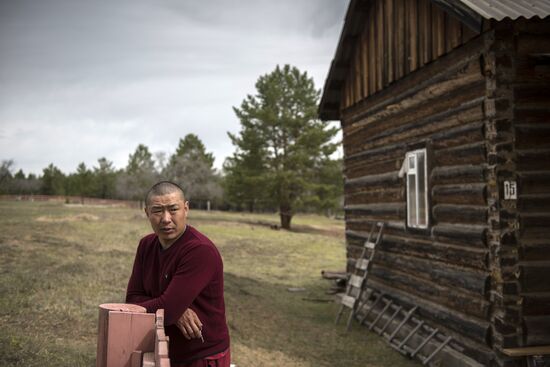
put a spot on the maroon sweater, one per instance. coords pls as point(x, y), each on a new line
point(187, 274)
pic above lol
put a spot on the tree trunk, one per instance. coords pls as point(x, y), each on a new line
point(286, 216)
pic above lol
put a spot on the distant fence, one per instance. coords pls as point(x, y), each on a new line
point(73, 200)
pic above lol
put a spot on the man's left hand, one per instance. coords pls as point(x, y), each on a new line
point(190, 325)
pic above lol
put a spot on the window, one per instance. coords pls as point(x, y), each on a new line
point(415, 167)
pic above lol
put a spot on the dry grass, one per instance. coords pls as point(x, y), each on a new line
point(58, 262)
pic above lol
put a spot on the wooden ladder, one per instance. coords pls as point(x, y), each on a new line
point(393, 311)
point(357, 280)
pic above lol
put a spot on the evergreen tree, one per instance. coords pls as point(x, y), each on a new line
point(282, 116)
point(82, 181)
point(5, 175)
point(104, 179)
point(192, 168)
point(53, 181)
point(246, 172)
point(139, 175)
point(193, 149)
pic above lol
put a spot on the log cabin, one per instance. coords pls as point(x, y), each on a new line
point(445, 111)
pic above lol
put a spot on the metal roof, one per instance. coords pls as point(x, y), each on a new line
point(500, 9)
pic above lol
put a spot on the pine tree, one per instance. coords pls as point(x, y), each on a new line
point(193, 169)
point(280, 129)
point(139, 175)
point(53, 181)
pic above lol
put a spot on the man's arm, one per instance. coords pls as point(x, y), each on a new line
point(135, 292)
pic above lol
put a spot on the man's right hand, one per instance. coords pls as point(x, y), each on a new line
point(190, 325)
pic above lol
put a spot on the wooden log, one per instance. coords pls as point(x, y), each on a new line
point(459, 135)
point(535, 250)
point(375, 154)
point(473, 329)
point(388, 178)
point(440, 70)
point(472, 235)
point(454, 92)
point(534, 276)
point(451, 297)
point(472, 153)
point(532, 136)
point(377, 209)
point(123, 328)
point(447, 253)
point(420, 123)
point(451, 213)
point(532, 159)
point(527, 351)
point(458, 174)
point(535, 303)
point(389, 195)
point(362, 169)
point(532, 95)
point(537, 330)
point(536, 182)
point(443, 274)
point(465, 194)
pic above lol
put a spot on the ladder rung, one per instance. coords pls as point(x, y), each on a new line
point(409, 314)
point(370, 245)
point(413, 331)
point(380, 296)
point(441, 346)
point(390, 320)
point(348, 301)
point(362, 264)
point(396, 347)
point(380, 314)
point(424, 342)
point(356, 281)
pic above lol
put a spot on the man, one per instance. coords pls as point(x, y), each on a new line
point(180, 270)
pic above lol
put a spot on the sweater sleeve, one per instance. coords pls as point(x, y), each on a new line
point(135, 292)
point(194, 271)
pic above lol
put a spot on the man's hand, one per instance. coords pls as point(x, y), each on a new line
point(190, 325)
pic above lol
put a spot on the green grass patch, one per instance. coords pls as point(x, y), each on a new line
point(59, 262)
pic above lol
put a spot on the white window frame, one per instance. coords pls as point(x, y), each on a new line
point(416, 208)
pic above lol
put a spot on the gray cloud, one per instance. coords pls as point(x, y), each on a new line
point(80, 80)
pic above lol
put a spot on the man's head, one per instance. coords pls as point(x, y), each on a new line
point(166, 209)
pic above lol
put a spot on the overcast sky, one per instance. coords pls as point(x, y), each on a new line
point(82, 79)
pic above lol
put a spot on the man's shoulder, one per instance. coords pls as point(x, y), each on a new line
point(197, 240)
point(148, 240)
point(198, 236)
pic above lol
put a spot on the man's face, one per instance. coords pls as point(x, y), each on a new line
point(168, 216)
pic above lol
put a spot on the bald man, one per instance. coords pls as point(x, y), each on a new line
point(179, 269)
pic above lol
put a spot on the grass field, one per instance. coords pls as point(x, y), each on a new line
point(59, 262)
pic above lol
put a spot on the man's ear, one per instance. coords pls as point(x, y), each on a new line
point(146, 212)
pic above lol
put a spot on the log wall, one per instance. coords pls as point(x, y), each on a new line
point(444, 269)
point(518, 105)
point(480, 105)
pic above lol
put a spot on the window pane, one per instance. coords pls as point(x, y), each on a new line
point(422, 198)
point(411, 200)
